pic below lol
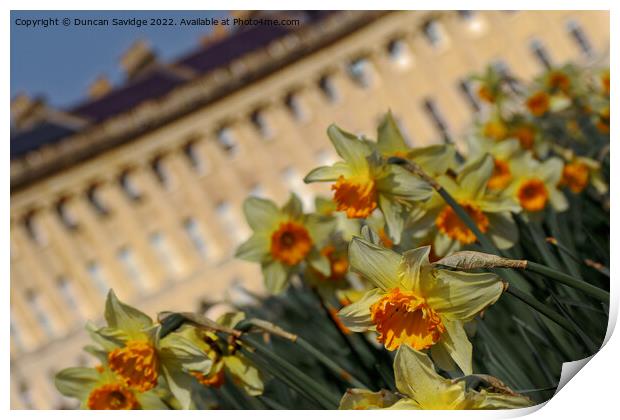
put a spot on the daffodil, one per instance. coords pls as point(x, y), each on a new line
point(422, 388)
point(224, 358)
point(473, 190)
point(363, 182)
point(100, 388)
point(129, 347)
point(413, 303)
point(535, 184)
point(580, 172)
point(283, 239)
point(435, 160)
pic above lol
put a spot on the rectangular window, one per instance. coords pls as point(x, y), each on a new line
point(466, 90)
point(195, 235)
point(580, 38)
point(164, 253)
point(69, 295)
point(294, 182)
point(437, 118)
point(129, 263)
point(227, 141)
point(360, 71)
point(98, 278)
point(40, 312)
point(541, 53)
point(230, 222)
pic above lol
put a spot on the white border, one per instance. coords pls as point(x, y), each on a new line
point(594, 394)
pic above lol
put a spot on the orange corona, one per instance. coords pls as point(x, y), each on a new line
point(112, 397)
point(405, 318)
point(136, 363)
point(501, 175)
point(213, 380)
point(290, 243)
point(575, 176)
point(533, 195)
point(538, 103)
point(357, 199)
point(450, 224)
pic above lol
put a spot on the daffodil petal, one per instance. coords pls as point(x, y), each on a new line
point(149, 400)
point(550, 171)
point(123, 317)
point(405, 404)
point(558, 200)
point(245, 374)
point(457, 345)
point(328, 173)
point(255, 249)
point(276, 276)
point(378, 265)
point(76, 382)
point(394, 217)
point(356, 316)
point(293, 207)
point(473, 178)
point(363, 399)
point(494, 401)
point(401, 183)
point(414, 261)
point(389, 138)
point(461, 296)
point(348, 146)
point(416, 377)
point(261, 214)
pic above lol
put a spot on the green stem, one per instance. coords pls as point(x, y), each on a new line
point(563, 278)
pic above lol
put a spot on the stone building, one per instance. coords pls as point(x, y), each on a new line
point(139, 188)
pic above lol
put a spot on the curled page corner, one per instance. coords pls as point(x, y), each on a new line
point(569, 370)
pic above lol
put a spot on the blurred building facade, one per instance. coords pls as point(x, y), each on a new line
point(140, 187)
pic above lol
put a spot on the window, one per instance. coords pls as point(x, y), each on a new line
point(399, 52)
point(231, 224)
point(25, 396)
point(162, 175)
point(431, 108)
point(128, 184)
point(128, 261)
point(33, 229)
point(294, 106)
point(360, 71)
point(227, 141)
point(69, 296)
point(65, 215)
point(473, 21)
point(434, 34)
point(260, 123)
point(190, 151)
point(466, 14)
point(295, 183)
point(465, 88)
point(40, 312)
point(326, 84)
point(195, 235)
point(97, 277)
point(257, 190)
point(94, 198)
point(164, 253)
point(580, 38)
point(540, 52)
point(16, 337)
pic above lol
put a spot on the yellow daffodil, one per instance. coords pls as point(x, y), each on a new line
point(102, 389)
point(414, 303)
point(130, 348)
point(538, 103)
point(223, 358)
point(434, 160)
point(422, 388)
point(472, 189)
point(535, 183)
point(283, 239)
point(363, 182)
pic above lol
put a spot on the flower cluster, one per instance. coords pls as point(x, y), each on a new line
point(389, 267)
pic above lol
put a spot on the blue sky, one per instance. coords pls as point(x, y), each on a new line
point(60, 62)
